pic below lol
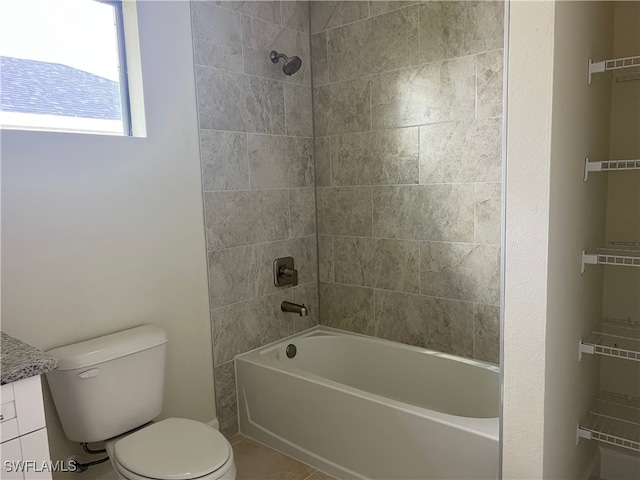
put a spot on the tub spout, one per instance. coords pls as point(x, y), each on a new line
point(294, 308)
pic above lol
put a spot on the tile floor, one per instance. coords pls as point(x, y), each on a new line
point(257, 462)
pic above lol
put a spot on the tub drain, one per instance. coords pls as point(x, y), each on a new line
point(291, 350)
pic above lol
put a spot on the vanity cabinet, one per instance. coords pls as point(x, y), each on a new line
point(23, 431)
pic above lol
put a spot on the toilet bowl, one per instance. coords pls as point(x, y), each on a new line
point(109, 388)
point(172, 449)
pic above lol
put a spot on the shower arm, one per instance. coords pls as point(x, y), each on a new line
point(275, 56)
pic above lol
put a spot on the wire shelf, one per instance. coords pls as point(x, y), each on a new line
point(610, 166)
point(622, 69)
point(625, 254)
point(614, 420)
point(614, 338)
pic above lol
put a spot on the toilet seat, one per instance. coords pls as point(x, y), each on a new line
point(173, 449)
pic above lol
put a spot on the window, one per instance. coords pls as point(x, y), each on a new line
point(63, 66)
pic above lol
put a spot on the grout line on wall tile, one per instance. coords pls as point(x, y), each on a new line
point(246, 141)
point(262, 243)
point(259, 297)
point(290, 226)
point(367, 18)
point(419, 66)
point(260, 133)
point(359, 133)
point(260, 19)
point(473, 302)
point(474, 212)
point(400, 239)
point(475, 97)
point(283, 81)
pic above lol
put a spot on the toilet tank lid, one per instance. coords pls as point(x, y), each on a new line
point(108, 347)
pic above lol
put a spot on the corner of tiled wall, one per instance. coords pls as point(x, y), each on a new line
point(256, 147)
point(408, 128)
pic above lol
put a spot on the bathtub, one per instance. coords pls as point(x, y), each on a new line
point(358, 407)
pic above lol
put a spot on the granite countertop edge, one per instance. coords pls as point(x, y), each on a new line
point(20, 360)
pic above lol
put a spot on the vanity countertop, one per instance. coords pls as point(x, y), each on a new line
point(21, 360)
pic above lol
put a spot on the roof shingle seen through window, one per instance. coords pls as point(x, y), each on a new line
point(31, 86)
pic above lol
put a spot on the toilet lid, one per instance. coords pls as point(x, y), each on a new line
point(175, 448)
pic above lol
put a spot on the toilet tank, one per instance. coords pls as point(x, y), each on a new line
point(109, 385)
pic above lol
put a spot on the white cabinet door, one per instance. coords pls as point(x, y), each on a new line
point(29, 404)
point(35, 447)
point(11, 455)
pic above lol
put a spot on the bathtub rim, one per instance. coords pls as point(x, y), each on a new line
point(260, 351)
point(485, 427)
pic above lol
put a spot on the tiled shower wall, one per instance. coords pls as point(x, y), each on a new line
point(407, 118)
point(258, 176)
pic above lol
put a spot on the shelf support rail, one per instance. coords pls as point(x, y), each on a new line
point(609, 166)
point(631, 63)
point(588, 259)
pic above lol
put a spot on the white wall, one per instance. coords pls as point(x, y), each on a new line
point(622, 285)
point(580, 128)
point(554, 121)
point(529, 91)
point(102, 233)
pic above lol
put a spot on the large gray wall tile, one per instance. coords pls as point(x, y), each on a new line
point(322, 157)
point(329, 14)
point(344, 211)
point(486, 333)
point(404, 318)
point(436, 92)
point(319, 68)
point(451, 327)
point(378, 44)
point(456, 29)
point(260, 38)
point(347, 307)
point(230, 276)
point(295, 14)
point(488, 206)
point(342, 108)
point(442, 30)
point(243, 218)
point(226, 404)
point(302, 203)
point(298, 110)
point(379, 263)
point(490, 87)
point(379, 7)
point(244, 326)
point(225, 165)
point(461, 271)
point(261, 9)
point(325, 258)
point(485, 30)
point(244, 273)
point(228, 101)
point(424, 212)
point(217, 36)
point(469, 151)
point(376, 158)
point(280, 162)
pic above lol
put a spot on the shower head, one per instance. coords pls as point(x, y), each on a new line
point(291, 65)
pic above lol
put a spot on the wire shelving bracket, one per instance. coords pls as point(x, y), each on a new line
point(613, 338)
point(625, 254)
point(609, 166)
point(614, 420)
point(622, 69)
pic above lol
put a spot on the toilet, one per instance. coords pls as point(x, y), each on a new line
point(110, 389)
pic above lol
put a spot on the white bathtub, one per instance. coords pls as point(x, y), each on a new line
point(358, 407)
